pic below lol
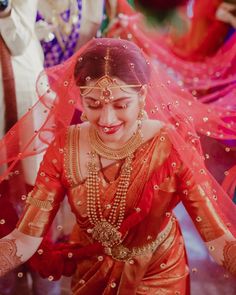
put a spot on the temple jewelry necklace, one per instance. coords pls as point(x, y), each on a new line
point(115, 154)
point(106, 230)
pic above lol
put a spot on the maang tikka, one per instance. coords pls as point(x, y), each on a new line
point(106, 84)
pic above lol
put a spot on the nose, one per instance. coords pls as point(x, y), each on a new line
point(107, 115)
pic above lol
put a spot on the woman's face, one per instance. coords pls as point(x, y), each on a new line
point(115, 120)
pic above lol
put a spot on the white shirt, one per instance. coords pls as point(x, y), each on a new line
point(17, 30)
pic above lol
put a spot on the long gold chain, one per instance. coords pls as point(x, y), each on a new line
point(56, 18)
point(105, 230)
point(115, 154)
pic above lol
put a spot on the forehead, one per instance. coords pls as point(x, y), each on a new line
point(116, 93)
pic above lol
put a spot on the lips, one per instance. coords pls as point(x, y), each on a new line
point(110, 129)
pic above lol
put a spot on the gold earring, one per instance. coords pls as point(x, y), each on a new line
point(142, 115)
point(83, 117)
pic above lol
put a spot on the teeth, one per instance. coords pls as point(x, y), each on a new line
point(106, 129)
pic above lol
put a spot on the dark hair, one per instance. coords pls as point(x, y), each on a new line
point(115, 57)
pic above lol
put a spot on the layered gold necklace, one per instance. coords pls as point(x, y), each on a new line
point(106, 230)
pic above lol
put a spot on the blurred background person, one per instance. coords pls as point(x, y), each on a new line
point(21, 61)
point(64, 26)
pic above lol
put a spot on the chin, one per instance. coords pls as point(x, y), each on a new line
point(113, 137)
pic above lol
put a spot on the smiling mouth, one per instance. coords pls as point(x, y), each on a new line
point(110, 129)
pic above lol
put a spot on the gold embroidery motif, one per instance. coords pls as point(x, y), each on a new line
point(120, 252)
point(45, 205)
point(41, 207)
point(229, 253)
point(8, 256)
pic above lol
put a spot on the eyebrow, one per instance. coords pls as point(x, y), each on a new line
point(113, 101)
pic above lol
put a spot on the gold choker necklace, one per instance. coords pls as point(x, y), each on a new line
point(115, 154)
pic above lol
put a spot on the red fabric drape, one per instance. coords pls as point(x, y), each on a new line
point(15, 186)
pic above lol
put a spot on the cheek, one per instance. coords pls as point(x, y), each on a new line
point(131, 115)
point(92, 115)
point(133, 111)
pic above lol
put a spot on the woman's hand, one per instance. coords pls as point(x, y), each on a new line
point(15, 249)
point(223, 251)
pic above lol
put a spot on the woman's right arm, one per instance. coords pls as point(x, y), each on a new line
point(15, 249)
point(41, 207)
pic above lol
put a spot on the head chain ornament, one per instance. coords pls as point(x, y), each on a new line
point(105, 84)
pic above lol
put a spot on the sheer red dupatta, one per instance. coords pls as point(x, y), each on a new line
point(210, 81)
point(8, 189)
point(59, 96)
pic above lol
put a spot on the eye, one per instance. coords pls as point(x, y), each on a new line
point(92, 103)
point(94, 107)
point(122, 106)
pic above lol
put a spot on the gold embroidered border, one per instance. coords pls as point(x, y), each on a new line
point(71, 156)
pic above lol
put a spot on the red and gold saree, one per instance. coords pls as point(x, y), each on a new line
point(152, 257)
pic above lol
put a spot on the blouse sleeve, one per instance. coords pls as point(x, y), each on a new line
point(44, 200)
point(200, 200)
point(16, 29)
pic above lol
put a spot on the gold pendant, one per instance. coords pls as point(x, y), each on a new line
point(106, 234)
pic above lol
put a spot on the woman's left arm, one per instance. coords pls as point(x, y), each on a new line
point(17, 25)
point(200, 200)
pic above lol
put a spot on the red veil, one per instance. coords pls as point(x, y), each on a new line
point(59, 97)
point(211, 81)
point(206, 34)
